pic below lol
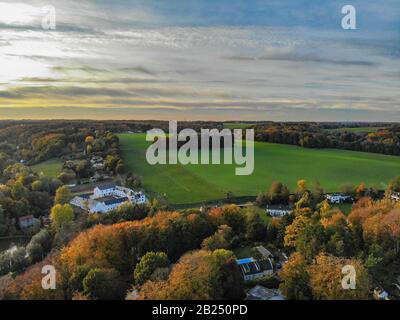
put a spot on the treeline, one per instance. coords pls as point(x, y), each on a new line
point(320, 135)
point(109, 261)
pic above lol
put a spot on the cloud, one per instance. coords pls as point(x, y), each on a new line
point(233, 59)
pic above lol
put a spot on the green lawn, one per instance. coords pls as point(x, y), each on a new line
point(196, 183)
point(244, 252)
point(51, 168)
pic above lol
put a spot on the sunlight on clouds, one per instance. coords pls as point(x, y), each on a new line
point(14, 68)
point(18, 13)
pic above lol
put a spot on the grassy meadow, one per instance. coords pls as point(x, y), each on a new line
point(51, 168)
point(196, 183)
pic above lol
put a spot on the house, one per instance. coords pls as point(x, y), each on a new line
point(252, 269)
point(380, 294)
point(262, 293)
point(26, 221)
point(278, 211)
point(337, 197)
point(96, 159)
point(107, 204)
point(107, 198)
point(105, 190)
point(396, 196)
point(264, 252)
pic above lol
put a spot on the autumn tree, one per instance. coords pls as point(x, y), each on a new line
point(326, 278)
point(295, 278)
point(255, 227)
point(61, 214)
point(104, 284)
point(293, 230)
point(148, 264)
point(63, 195)
point(221, 239)
point(199, 275)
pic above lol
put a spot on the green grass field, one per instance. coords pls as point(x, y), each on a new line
point(360, 129)
point(196, 183)
point(237, 125)
point(51, 168)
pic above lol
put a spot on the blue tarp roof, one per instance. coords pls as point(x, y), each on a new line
point(245, 260)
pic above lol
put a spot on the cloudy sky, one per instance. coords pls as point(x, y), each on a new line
point(200, 59)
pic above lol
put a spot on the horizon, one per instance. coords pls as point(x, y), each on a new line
point(283, 61)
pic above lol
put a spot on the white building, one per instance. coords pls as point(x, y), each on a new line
point(337, 197)
point(107, 198)
point(278, 211)
point(396, 196)
point(253, 269)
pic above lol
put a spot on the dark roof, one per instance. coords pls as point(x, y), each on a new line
point(85, 196)
point(255, 267)
point(115, 201)
point(107, 186)
point(262, 293)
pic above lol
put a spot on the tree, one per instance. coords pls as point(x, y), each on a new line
point(221, 239)
point(89, 140)
point(326, 279)
point(149, 263)
point(292, 231)
point(255, 227)
point(301, 187)
point(133, 181)
point(199, 275)
point(103, 284)
point(278, 193)
point(35, 251)
point(18, 191)
point(63, 195)
point(295, 278)
point(234, 217)
point(61, 214)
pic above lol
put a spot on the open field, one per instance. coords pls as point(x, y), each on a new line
point(51, 168)
point(237, 125)
point(196, 183)
point(359, 129)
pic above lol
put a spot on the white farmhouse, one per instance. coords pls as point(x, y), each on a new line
point(274, 211)
point(337, 197)
point(107, 198)
point(104, 191)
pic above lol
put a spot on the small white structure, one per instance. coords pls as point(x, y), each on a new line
point(107, 198)
point(278, 211)
point(337, 197)
point(396, 196)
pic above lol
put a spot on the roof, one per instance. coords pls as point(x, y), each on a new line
point(245, 260)
point(263, 251)
point(106, 187)
point(262, 293)
point(254, 267)
point(85, 196)
point(115, 201)
point(283, 208)
point(26, 218)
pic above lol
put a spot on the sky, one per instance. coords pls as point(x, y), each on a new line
point(281, 60)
